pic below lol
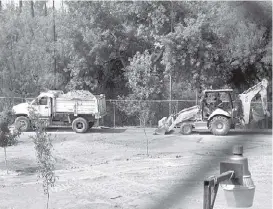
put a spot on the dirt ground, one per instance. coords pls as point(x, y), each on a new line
point(110, 168)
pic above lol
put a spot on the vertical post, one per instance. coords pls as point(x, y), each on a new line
point(32, 8)
point(139, 114)
point(207, 196)
point(114, 103)
point(54, 49)
point(196, 97)
point(266, 122)
point(20, 6)
point(6, 164)
point(176, 106)
point(170, 104)
point(172, 16)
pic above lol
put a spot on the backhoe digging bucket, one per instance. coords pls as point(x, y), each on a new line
point(163, 125)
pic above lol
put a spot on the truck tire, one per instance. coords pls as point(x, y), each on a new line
point(22, 123)
point(80, 125)
point(219, 125)
point(186, 128)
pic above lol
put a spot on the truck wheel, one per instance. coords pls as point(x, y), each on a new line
point(186, 129)
point(22, 123)
point(80, 125)
point(219, 125)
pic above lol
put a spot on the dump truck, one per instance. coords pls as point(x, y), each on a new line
point(217, 112)
point(77, 109)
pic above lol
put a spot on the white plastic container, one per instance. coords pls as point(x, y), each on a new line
point(239, 196)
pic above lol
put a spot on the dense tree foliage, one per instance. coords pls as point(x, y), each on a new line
point(98, 46)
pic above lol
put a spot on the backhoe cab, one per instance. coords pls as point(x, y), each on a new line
point(216, 112)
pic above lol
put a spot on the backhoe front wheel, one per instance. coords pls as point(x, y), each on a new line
point(186, 128)
point(219, 125)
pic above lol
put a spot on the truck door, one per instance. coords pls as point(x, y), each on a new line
point(44, 107)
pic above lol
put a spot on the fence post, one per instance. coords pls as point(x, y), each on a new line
point(266, 122)
point(139, 115)
point(114, 103)
point(196, 97)
point(176, 106)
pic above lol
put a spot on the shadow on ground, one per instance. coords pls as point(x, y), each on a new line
point(238, 133)
point(93, 130)
point(27, 170)
point(28, 167)
point(107, 130)
point(22, 166)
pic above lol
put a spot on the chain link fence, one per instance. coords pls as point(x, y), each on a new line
point(157, 109)
point(161, 108)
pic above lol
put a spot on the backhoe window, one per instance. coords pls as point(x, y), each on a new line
point(224, 97)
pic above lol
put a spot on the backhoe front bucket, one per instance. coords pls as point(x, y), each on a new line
point(166, 125)
point(160, 131)
point(163, 125)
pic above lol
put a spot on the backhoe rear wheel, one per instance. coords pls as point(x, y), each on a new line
point(219, 125)
point(186, 128)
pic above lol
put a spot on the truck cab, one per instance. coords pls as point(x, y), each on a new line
point(43, 104)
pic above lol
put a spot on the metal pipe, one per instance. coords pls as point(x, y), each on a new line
point(213, 183)
point(218, 179)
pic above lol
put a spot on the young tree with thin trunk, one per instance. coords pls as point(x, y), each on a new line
point(43, 147)
point(143, 84)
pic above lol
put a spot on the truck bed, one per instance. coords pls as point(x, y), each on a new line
point(95, 106)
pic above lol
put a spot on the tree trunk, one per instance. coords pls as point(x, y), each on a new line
point(32, 8)
point(47, 198)
point(147, 140)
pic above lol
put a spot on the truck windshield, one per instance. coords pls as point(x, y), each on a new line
point(35, 101)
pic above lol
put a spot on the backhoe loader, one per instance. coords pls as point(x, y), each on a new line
point(216, 112)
